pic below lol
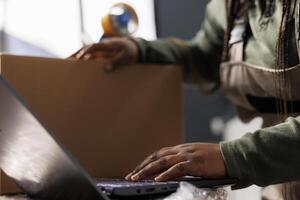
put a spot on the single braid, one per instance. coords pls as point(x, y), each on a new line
point(279, 58)
point(282, 81)
point(230, 21)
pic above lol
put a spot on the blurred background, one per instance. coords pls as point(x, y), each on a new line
point(54, 27)
point(57, 28)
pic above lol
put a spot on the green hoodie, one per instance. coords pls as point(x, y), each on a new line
point(269, 155)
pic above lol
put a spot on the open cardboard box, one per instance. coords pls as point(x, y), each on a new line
point(108, 121)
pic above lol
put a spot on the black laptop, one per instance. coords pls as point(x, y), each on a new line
point(43, 168)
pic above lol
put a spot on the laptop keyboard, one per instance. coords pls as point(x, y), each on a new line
point(119, 183)
point(122, 188)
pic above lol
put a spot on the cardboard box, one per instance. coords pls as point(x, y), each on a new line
point(108, 121)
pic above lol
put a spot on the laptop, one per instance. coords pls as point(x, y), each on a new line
point(43, 168)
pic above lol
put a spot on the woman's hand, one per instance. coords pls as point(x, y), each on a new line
point(195, 159)
point(111, 52)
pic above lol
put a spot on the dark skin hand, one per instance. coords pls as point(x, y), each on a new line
point(194, 159)
point(111, 52)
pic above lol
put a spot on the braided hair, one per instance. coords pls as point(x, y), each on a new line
point(283, 84)
point(230, 21)
point(282, 81)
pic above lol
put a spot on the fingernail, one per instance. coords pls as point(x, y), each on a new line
point(80, 53)
point(128, 177)
point(108, 67)
point(135, 177)
point(87, 57)
point(158, 178)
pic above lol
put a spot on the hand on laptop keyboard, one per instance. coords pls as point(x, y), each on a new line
point(194, 159)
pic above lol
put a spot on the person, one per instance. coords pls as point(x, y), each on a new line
point(250, 49)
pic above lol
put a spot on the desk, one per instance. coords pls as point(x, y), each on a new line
point(24, 197)
point(15, 197)
point(220, 195)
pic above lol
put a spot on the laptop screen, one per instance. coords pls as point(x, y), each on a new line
point(32, 157)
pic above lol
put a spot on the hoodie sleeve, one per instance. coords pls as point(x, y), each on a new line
point(268, 156)
point(199, 57)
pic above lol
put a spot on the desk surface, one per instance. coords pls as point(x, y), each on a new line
point(14, 197)
point(24, 197)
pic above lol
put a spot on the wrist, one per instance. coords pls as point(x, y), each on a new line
point(138, 53)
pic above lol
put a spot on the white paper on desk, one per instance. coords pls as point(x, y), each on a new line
point(187, 191)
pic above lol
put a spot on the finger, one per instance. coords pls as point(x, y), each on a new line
point(87, 57)
point(118, 59)
point(128, 176)
point(140, 166)
point(177, 171)
point(106, 62)
point(74, 54)
point(158, 167)
point(99, 55)
point(108, 67)
point(104, 54)
point(81, 52)
point(114, 61)
point(94, 48)
point(150, 158)
point(153, 157)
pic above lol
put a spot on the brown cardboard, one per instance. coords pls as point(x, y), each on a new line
point(108, 121)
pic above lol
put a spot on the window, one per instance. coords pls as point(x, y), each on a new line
point(54, 25)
